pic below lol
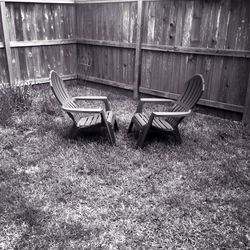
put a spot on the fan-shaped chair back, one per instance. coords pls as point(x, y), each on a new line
point(61, 93)
point(194, 88)
point(60, 90)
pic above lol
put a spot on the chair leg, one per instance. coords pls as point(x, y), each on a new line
point(73, 131)
point(110, 134)
point(130, 126)
point(177, 136)
point(142, 136)
point(111, 129)
point(139, 139)
point(116, 128)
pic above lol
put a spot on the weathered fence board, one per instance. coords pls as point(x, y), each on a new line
point(246, 114)
point(3, 66)
point(40, 21)
point(225, 78)
point(138, 50)
point(112, 22)
point(107, 63)
point(1, 28)
point(32, 63)
point(207, 24)
point(6, 41)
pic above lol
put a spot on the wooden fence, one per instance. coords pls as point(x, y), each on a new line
point(147, 46)
point(154, 46)
point(36, 37)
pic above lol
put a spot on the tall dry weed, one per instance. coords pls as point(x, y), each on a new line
point(14, 97)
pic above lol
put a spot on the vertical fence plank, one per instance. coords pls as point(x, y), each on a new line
point(138, 49)
point(246, 114)
point(7, 41)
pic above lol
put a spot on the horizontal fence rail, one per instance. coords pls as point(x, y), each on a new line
point(40, 1)
point(36, 43)
point(167, 48)
point(114, 1)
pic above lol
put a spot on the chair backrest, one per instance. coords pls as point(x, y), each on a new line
point(195, 87)
point(58, 87)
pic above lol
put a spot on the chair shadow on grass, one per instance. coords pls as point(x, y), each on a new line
point(98, 135)
point(154, 137)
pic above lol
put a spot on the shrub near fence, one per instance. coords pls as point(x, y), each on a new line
point(146, 46)
point(13, 98)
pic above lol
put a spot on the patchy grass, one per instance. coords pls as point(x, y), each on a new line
point(58, 193)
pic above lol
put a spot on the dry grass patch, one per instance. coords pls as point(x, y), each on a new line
point(58, 193)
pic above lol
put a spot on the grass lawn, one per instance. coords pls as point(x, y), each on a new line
point(59, 193)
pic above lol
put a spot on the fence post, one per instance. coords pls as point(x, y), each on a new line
point(138, 50)
point(7, 42)
point(246, 114)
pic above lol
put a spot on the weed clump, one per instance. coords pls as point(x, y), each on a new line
point(13, 98)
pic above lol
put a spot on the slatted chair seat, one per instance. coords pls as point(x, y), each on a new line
point(142, 120)
point(168, 121)
point(96, 119)
point(100, 118)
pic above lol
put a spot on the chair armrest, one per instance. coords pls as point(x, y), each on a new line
point(98, 98)
point(173, 114)
point(151, 100)
point(94, 98)
point(157, 100)
point(82, 110)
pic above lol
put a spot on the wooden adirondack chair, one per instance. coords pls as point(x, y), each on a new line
point(168, 121)
point(100, 118)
